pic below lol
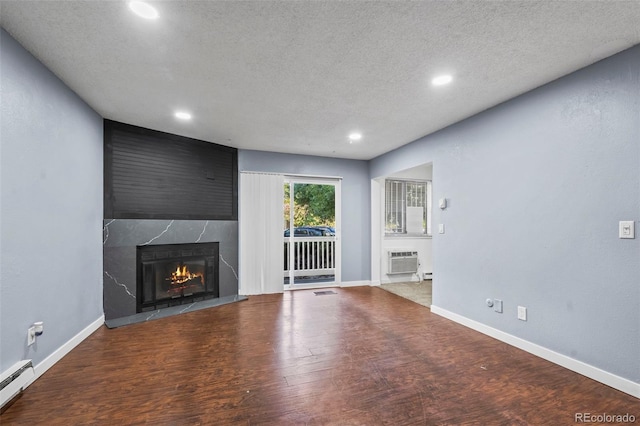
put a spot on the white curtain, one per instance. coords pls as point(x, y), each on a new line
point(261, 233)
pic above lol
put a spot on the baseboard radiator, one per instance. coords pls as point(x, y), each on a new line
point(403, 262)
point(14, 380)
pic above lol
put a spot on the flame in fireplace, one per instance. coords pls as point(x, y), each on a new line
point(183, 275)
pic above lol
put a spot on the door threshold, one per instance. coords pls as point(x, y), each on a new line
point(310, 286)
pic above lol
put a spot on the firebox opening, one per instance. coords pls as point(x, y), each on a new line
point(172, 274)
point(177, 279)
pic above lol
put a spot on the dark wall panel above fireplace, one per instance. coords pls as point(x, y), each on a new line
point(156, 175)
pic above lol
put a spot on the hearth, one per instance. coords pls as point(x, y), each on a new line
point(173, 274)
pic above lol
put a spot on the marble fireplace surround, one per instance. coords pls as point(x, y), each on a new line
point(120, 238)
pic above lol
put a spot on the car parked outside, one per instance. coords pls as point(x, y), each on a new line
point(326, 230)
point(305, 231)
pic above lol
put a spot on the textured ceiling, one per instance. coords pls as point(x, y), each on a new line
point(298, 77)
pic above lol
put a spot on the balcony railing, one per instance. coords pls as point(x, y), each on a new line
point(312, 256)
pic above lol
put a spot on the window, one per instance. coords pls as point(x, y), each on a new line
point(407, 207)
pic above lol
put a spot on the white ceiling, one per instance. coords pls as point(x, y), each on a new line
point(299, 76)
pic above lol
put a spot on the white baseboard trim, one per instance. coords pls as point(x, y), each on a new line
point(354, 283)
point(609, 379)
point(414, 279)
point(59, 353)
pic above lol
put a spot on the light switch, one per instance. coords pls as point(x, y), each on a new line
point(522, 313)
point(627, 229)
point(441, 228)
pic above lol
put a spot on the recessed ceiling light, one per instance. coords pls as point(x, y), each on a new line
point(442, 80)
point(182, 115)
point(355, 136)
point(143, 9)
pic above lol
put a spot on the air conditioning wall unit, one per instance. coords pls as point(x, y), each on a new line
point(403, 262)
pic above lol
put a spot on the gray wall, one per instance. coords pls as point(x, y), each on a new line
point(536, 187)
point(356, 203)
point(51, 208)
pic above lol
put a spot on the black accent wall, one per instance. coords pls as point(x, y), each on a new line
point(155, 175)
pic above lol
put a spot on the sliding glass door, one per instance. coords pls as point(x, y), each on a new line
point(311, 225)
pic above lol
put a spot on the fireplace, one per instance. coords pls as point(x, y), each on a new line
point(173, 274)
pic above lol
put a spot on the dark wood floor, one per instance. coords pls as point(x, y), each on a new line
point(362, 356)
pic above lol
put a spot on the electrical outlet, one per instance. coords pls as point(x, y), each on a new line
point(31, 336)
point(497, 305)
point(522, 313)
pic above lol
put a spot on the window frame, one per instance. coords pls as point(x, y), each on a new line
point(391, 189)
